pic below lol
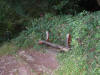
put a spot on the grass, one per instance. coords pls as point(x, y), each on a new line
point(86, 64)
point(7, 49)
point(84, 57)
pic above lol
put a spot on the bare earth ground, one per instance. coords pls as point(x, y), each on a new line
point(29, 62)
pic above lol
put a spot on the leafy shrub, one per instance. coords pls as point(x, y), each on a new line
point(82, 27)
point(65, 6)
point(14, 15)
point(11, 23)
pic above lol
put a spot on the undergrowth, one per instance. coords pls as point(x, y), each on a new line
point(84, 56)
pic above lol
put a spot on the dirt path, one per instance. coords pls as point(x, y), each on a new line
point(29, 62)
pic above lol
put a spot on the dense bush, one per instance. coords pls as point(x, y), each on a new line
point(65, 6)
point(14, 15)
point(11, 23)
point(83, 28)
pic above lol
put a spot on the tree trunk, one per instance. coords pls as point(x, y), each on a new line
point(98, 1)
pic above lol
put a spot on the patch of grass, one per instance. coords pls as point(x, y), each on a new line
point(8, 48)
point(73, 65)
point(78, 64)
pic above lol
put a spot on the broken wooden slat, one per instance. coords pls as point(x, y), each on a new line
point(47, 36)
point(62, 48)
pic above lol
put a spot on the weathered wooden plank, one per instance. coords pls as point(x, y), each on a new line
point(62, 48)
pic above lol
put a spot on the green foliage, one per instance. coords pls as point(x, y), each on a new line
point(72, 65)
point(87, 64)
point(11, 22)
point(84, 29)
point(83, 58)
point(8, 48)
point(14, 15)
point(65, 6)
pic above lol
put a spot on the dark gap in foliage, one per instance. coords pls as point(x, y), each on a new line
point(89, 5)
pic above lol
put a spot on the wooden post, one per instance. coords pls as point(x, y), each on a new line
point(47, 36)
point(68, 40)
